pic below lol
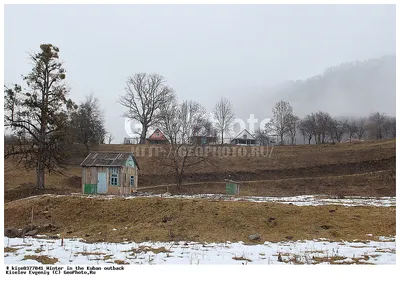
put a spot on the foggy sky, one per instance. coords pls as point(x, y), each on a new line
point(204, 52)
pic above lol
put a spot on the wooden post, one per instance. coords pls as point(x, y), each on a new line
point(32, 219)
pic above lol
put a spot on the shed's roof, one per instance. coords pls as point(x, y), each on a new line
point(107, 159)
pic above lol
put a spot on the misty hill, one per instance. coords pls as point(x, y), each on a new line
point(349, 89)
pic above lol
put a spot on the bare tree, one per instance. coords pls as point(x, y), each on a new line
point(280, 122)
point(170, 120)
point(224, 116)
point(145, 95)
point(307, 127)
point(262, 137)
point(336, 130)
point(323, 120)
point(184, 155)
point(377, 120)
point(293, 126)
point(361, 127)
point(39, 115)
point(389, 127)
point(193, 117)
point(351, 128)
point(88, 123)
point(110, 138)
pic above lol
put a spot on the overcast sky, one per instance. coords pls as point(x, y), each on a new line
point(204, 52)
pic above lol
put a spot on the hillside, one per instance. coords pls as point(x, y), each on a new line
point(366, 169)
point(119, 219)
point(350, 89)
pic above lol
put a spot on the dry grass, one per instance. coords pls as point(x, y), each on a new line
point(38, 250)
point(142, 219)
point(42, 259)
point(334, 169)
point(242, 259)
point(90, 253)
point(120, 262)
point(10, 250)
point(145, 249)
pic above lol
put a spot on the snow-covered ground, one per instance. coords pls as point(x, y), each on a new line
point(301, 200)
point(321, 251)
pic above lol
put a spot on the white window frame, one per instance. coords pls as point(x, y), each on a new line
point(114, 174)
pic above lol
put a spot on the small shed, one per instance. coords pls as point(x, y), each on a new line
point(244, 138)
point(232, 187)
point(157, 137)
point(109, 173)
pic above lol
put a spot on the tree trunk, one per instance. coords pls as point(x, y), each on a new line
point(143, 135)
point(222, 137)
point(40, 174)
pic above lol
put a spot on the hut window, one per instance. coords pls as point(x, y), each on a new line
point(114, 176)
point(132, 182)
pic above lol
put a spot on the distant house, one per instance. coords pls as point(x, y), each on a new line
point(203, 140)
point(157, 137)
point(109, 173)
point(244, 138)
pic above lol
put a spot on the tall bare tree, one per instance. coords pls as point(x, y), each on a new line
point(323, 122)
point(282, 112)
point(389, 127)
point(170, 120)
point(88, 123)
point(224, 116)
point(307, 127)
point(336, 130)
point(262, 137)
point(182, 155)
point(361, 127)
point(293, 127)
point(144, 97)
point(351, 128)
point(193, 118)
point(38, 116)
point(377, 120)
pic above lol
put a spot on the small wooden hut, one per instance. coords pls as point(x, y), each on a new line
point(109, 173)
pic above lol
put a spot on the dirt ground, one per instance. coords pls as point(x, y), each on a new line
point(364, 169)
point(117, 220)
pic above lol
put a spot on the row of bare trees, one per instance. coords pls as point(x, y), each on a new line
point(149, 101)
point(325, 128)
point(322, 128)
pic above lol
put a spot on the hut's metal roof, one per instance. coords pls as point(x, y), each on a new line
point(107, 159)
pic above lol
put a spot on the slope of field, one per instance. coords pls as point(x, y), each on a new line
point(364, 169)
point(164, 219)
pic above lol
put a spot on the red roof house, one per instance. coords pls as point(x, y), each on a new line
point(157, 137)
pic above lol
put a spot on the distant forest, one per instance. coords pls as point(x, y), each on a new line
point(349, 89)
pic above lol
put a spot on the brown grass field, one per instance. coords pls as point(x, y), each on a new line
point(364, 169)
point(162, 219)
